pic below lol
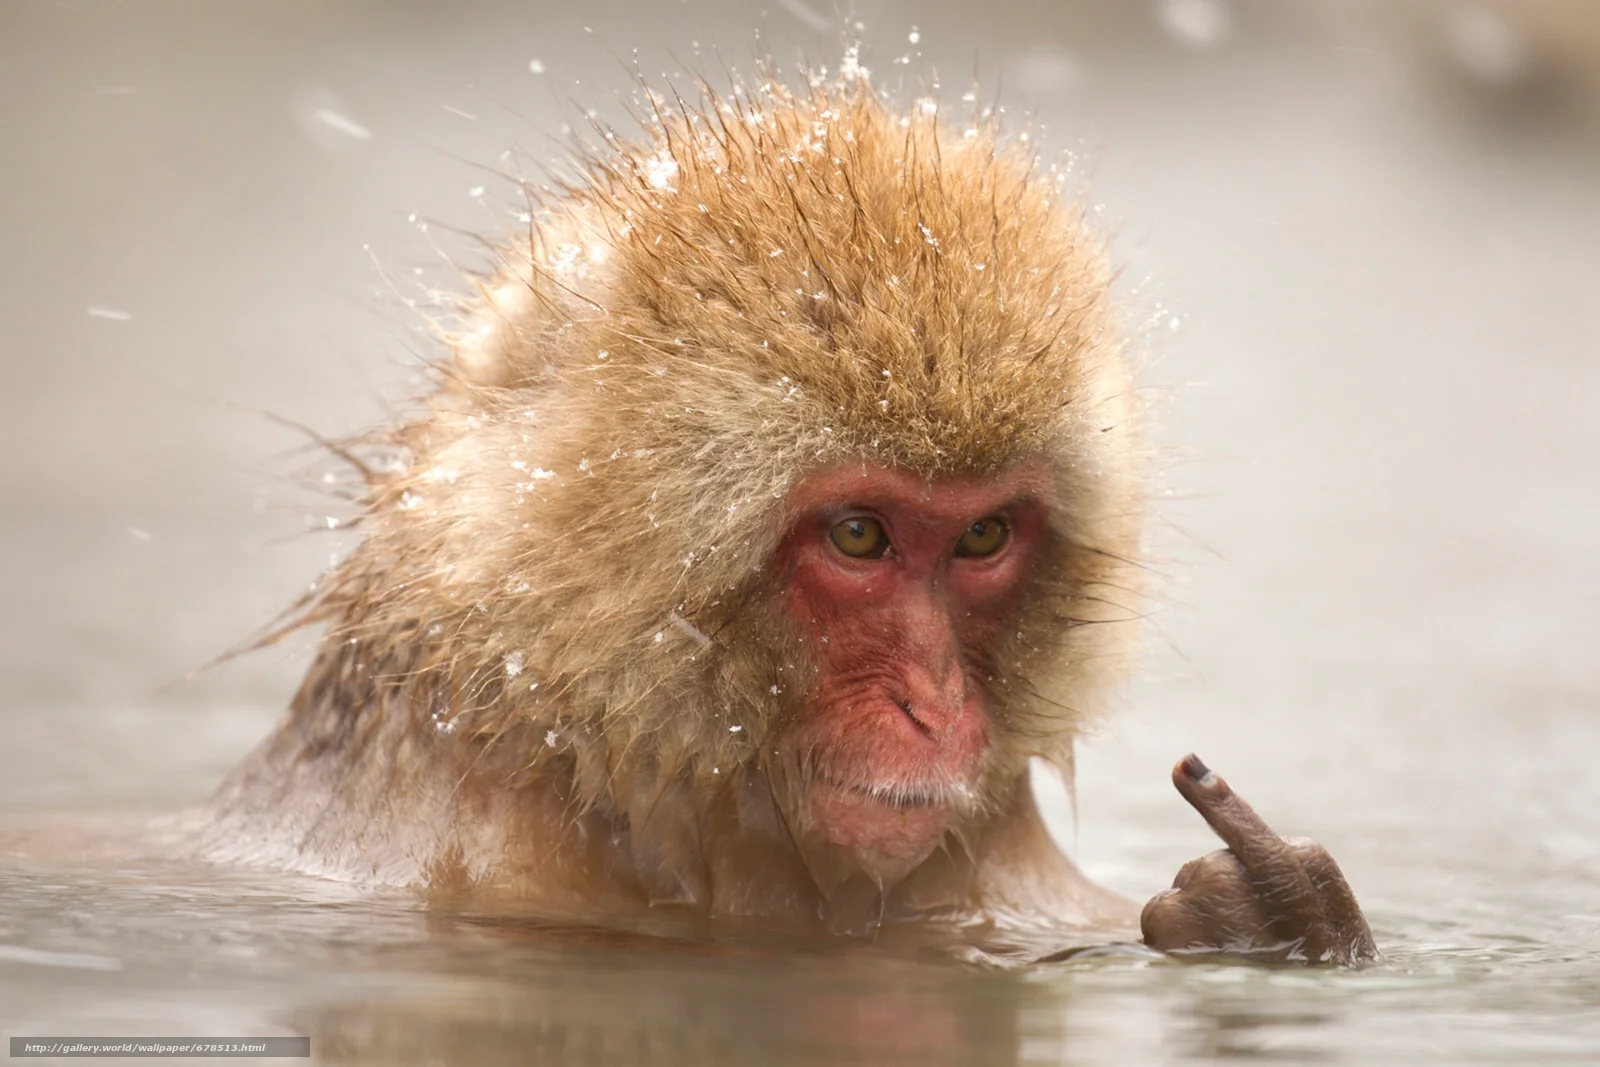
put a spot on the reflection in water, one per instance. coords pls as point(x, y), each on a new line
point(755, 1009)
point(1218, 1029)
point(382, 982)
point(378, 981)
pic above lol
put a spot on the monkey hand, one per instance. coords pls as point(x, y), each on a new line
point(1264, 896)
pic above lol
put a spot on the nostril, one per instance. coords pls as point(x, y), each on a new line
point(905, 706)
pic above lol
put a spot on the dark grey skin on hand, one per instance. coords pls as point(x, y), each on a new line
point(1264, 896)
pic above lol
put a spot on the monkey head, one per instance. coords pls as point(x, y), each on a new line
point(784, 485)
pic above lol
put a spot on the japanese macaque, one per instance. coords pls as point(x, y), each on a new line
point(781, 500)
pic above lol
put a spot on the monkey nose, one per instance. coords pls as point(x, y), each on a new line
point(911, 713)
point(935, 709)
point(935, 720)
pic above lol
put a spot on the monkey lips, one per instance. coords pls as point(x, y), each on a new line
point(887, 792)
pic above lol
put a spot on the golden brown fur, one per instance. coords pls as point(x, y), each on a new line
point(560, 623)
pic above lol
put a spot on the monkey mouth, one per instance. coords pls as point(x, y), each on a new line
point(906, 795)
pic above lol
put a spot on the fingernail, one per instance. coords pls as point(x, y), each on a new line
point(1195, 768)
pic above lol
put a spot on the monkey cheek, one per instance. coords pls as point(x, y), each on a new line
point(885, 842)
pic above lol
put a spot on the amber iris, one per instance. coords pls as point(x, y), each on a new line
point(860, 538)
point(983, 538)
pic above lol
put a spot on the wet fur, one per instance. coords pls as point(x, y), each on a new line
point(564, 605)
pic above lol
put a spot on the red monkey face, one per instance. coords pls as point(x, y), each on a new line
point(905, 591)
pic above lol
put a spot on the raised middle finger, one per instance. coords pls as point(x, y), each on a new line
point(1280, 881)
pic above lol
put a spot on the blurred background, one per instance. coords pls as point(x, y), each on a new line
point(1361, 238)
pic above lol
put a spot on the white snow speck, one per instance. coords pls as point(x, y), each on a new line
point(341, 123)
point(514, 664)
point(850, 68)
point(690, 629)
point(550, 738)
point(1196, 23)
point(448, 475)
point(536, 66)
point(660, 170)
point(807, 14)
point(735, 729)
point(110, 314)
point(138, 534)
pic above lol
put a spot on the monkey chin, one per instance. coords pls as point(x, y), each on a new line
point(879, 796)
point(885, 831)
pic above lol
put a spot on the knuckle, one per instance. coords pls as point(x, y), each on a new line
point(1162, 901)
point(1221, 865)
point(1316, 860)
point(1164, 919)
point(1305, 847)
point(1162, 908)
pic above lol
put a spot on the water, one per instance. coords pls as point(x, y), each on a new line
point(1378, 604)
point(1475, 845)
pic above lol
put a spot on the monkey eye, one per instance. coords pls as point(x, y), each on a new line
point(860, 538)
point(984, 537)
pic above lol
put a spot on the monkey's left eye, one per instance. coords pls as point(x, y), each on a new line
point(984, 537)
point(860, 538)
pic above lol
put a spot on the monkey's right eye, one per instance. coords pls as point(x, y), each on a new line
point(860, 538)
